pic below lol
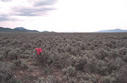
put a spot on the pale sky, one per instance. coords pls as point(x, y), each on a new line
point(64, 15)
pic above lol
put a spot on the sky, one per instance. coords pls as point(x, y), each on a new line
point(64, 15)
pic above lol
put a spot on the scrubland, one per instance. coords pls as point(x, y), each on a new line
point(66, 58)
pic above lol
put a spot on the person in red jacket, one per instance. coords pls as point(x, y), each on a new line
point(37, 52)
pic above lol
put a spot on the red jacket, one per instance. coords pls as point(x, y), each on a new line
point(38, 50)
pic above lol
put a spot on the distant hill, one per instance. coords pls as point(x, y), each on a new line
point(114, 30)
point(5, 29)
point(20, 29)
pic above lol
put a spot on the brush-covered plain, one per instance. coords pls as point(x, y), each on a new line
point(66, 57)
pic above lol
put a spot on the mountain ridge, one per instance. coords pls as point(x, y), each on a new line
point(20, 29)
point(113, 30)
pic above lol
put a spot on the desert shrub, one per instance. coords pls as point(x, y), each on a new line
point(6, 66)
point(124, 58)
point(115, 64)
point(27, 51)
point(111, 44)
point(60, 61)
point(80, 63)
point(68, 79)
point(40, 80)
point(5, 42)
point(47, 70)
point(72, 80)
point(108, 79)
point(7, 77)
point(101, 53)
point(118, 62)
point(15, 42)
point(123, 51)
point(12, 54)
point(27, 45)
point(49, 79)
point(6, 51)
point(69, 71)
point(122, 75)
point(1, 57)
point(102, 67)
point(17, 62)
point(20, 64)
point(91, 67)
point(88, 77)
point(54, 59)
point(25, 56)
point(81, 77)
point(45, 59)
point(114, 53)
